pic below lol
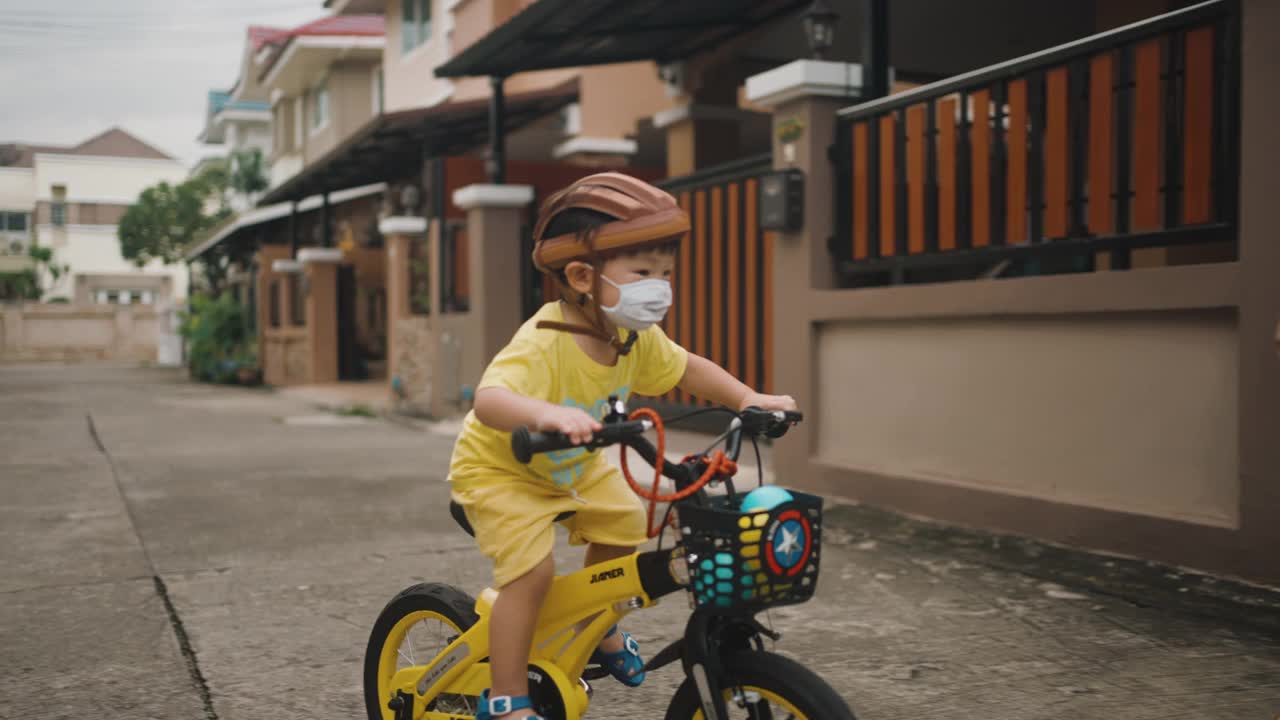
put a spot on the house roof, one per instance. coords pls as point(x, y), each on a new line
point(114, 142)
point(372, 25)
point(573, 33)
point(260, 35)
point(220, 100)
point(332, 26)
point(394, 143)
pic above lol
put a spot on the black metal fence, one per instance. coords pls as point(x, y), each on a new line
point(723, 284)
point(1052, 162)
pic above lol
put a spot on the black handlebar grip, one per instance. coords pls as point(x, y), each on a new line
point(525, 444)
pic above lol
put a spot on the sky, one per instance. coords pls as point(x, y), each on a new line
point(73, 68)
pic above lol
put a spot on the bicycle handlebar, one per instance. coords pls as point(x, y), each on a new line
point(752, 421)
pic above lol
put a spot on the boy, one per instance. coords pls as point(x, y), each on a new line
point(608, 240)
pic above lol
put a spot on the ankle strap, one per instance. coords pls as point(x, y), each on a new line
point(503, 704)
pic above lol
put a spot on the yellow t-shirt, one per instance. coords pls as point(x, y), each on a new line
point(549, 365)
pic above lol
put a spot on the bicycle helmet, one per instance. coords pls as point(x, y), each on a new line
point(645, 216)
point(636, 216)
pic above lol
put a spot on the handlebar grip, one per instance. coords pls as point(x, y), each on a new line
point(526, 444)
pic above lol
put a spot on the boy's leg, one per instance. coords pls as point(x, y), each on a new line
point(511, 627)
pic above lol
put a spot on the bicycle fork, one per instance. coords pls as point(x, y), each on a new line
point(709, 637)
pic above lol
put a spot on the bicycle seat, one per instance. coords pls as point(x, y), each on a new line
point(460, 517)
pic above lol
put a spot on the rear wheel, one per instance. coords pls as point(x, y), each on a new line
point(415, 627)
point(769, 687)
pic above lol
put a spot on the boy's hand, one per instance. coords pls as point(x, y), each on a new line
point(573, 422)
point(767, 402)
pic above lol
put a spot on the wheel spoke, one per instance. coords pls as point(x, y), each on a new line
point(412, 659)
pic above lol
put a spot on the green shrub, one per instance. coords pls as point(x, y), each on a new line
point(218, 341)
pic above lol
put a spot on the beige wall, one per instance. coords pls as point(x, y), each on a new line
point(1134, 412)
point(615, 97)
point(35, 333)
point(102, 179)
point(408, 78)
point(17, 188)
point(285, 356)
point(350, 107)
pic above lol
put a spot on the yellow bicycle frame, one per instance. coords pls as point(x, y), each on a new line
point(598, 595)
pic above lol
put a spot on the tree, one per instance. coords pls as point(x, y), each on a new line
point(166, 219)
point(25, 284)
point(248, 172)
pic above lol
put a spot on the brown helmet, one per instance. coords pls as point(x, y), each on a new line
point(646, 216)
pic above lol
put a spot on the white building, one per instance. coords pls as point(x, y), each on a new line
point(239, 120)
point(72, 198)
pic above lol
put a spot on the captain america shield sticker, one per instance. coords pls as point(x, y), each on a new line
point(789, 542)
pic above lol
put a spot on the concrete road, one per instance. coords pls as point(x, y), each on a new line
point(170, 550)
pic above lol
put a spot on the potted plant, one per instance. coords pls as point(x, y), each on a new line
point(247, 371)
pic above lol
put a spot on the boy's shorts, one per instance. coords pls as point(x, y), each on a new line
point(514, 519)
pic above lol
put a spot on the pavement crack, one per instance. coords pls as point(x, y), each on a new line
point(175, 621)
point(188, 653)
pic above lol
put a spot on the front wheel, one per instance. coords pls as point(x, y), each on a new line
point(769, 687)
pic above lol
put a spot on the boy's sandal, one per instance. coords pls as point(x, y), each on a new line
point(626, 665)
point(496, 707)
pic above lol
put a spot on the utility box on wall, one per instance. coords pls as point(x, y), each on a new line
point(781, 200)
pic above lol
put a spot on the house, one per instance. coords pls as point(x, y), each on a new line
point(238, 120)
point(1014, 260)
point(70, 199)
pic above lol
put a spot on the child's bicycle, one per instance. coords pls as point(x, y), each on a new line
point(428, 654)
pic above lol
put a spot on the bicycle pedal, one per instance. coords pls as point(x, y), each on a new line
point(595, 672)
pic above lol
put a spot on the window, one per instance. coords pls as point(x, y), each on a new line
point(319, 110)
point(14, 222)
point(415, 24)
point(58, 211)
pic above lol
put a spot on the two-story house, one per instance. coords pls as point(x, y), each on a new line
point(71, 198)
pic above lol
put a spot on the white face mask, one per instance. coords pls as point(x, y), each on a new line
point(640, 304)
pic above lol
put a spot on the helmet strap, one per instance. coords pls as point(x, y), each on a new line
point(598, 324)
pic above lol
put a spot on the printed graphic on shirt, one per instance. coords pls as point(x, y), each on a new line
point(575, 457)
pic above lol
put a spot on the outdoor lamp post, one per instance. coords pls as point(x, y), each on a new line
point(820, 27)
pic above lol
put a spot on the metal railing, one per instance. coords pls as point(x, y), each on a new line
point(1119, 141)
point(723, 282)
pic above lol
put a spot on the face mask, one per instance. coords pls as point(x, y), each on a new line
point(640, 304)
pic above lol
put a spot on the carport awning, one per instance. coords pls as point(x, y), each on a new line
point(571, 33)
point(395, 144)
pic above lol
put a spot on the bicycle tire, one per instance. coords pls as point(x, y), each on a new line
point(786, 679)
point(450, 603)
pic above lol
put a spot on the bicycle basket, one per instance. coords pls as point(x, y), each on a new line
point(752, 560)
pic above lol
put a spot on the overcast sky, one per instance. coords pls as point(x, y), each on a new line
point(73, 68)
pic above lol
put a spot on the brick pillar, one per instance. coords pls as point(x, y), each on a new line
point(322, 311)
point(399, 232)
point(810, 91)
point(494, 224)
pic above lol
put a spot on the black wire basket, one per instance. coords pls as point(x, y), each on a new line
point(752, 560)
